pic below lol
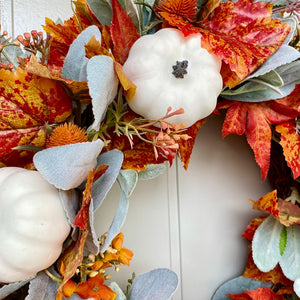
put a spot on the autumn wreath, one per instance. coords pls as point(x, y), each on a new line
point(111, 95)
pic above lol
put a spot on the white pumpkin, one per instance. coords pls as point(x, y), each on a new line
point(171, 70)
point(33, 224)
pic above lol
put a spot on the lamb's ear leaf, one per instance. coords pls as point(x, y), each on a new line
point(238, 285)
point(127, 182)
point(42, 287)
point(11, 287)
point(290, 260)
point(115, 287)
point(103, 85)
point(265, 244)
point(75, 59)
point(152, 171)
point(67, 166)
point(102, 186)
point(161, 284)
point(102, 10)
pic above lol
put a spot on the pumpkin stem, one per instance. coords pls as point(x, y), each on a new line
point(179, 70)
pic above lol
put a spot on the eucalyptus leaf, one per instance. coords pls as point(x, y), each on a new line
point(42, 287)
point(11, 287)
point(120, 216)
point(102, 185)
point(68, 166)
point(238, 285)
point(265, 244)
point(103, 85)
point(158, 284)
point(152, 171)
point(76, 59)
point(115, 287)
point(102, 10)
point(290, 260)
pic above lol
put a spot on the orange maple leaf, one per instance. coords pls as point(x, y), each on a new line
point(290, 142)
point(254, 120)
point(267, 203)
point(64, 34)
point(177, 10)
point(27, 104)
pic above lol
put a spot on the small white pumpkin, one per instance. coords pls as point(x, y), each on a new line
point(33, 224)
point(171, 70)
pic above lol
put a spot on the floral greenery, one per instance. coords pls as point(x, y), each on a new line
point(53, 88)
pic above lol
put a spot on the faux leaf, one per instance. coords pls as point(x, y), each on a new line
point(81, 219)
point(289, 213)
point(264, 293)
point(67, 166)
point(243, 50)
point(236, 286)
point(12, 287)
point(152, 171)
point(177, 10)
point(265, 244)
point(267, 203)
point(63, 35)
point(275, 276)
point(254, 120)
point(158, 284)
point(256, 90)
point(290, 260)
point(103, 85)
point(128, 181)
point(27, 103)
point(73, 254)
point(115, 287)
point(103, 185)
point(75, 59)
point(128, 86)
point(123, 32)
point(186, 146)
point(251, 228)
point(42, 287)
point(290, 142)
point(102, 10)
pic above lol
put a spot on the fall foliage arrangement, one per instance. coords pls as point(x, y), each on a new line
point(113, 95)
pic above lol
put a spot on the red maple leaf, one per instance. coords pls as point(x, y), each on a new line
point(254, 120)
point(123, 32)
point(290, 142)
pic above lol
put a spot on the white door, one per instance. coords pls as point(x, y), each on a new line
point(190, 221)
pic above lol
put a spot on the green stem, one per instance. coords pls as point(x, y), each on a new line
point(53, 277)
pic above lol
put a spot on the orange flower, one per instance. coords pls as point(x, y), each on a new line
point(95, 288)
point(124, 255)
point(65, 134)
